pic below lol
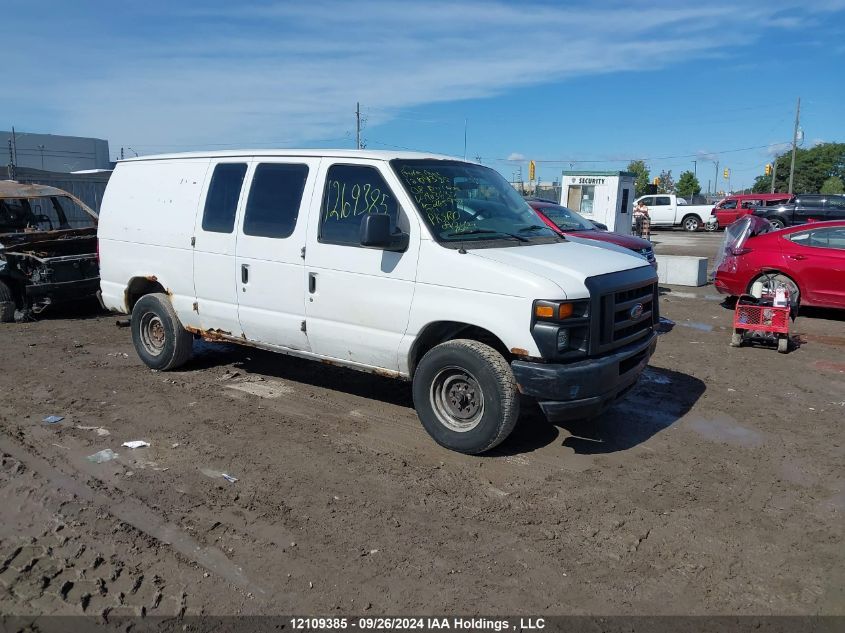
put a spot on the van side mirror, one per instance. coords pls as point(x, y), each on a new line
point(376, 233)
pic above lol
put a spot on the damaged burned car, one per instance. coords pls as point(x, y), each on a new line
point(48, 249)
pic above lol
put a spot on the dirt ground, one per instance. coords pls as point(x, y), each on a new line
point(716, 487)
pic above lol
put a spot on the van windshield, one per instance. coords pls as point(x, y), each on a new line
point(463, 202)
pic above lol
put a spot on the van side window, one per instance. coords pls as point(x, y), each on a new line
point(352, 191)
point(274, 199)
point(221, 203)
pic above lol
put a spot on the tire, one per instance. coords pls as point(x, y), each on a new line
point(691, 223)
point(776, 224)
point(487, 405)
point(772, 279)
point(7, 303)
point(711, 227)
point(783, 345)
point(736, 339)
point(159, 337)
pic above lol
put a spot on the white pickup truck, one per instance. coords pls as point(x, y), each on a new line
point(666, 209)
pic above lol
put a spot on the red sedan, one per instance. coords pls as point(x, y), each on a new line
point(808, 259)
point(565, 221)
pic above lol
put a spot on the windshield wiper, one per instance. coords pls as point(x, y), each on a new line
point(488, 232)
point(533, 227)
point(471, 232)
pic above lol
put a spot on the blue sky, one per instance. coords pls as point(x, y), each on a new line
point(573, 85)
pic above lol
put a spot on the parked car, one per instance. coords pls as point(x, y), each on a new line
point(48, 249)
point(806, 207)
point(809, 260)
point(730, 208)
point(669, 210)
point(407, 265)
point(565, 221)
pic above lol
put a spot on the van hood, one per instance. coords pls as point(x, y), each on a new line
point(567, 264)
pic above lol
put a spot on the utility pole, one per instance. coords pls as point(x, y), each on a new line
point(774, 173)
point(465, 139)
point(15, 144)
point(11, 161)
point(794, 145)
point(357, 125)
point(41, 149)
point(695, 169)
point(716, 182)
point(121, 153)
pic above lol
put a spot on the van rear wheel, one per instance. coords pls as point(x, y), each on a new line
point(466, 396)
point(160, 339)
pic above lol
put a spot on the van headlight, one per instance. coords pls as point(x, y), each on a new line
point(561, 328)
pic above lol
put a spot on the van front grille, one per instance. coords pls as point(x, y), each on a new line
point(625, 314)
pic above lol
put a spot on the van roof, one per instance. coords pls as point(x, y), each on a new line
point(328, 153)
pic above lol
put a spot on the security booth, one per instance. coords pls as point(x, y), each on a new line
point(601, 196)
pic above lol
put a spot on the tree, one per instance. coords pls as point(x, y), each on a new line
point(833, 184)
point(688, 185)
point(813, 167)
point(665, 182)
point(641, 176)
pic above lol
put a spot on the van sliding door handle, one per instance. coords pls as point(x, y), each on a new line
point(245, 273)
point(312, 283)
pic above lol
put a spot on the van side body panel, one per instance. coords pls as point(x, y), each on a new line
point(359, 299)
point(145, 230)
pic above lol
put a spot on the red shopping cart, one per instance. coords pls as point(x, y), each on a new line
point(763, 320)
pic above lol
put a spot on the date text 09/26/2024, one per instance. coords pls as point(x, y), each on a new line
point(415, 624)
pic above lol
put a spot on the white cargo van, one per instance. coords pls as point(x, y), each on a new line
point(420, 267)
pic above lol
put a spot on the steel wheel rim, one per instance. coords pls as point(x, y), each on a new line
point(153, 334)
point(457, 399)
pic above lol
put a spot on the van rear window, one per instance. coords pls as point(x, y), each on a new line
point(274, 199)
point(221, 203)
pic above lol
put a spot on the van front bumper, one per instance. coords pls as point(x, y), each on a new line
point(585, 388)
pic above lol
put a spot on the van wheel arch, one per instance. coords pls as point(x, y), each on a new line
point(140, 286)
point(439, 332)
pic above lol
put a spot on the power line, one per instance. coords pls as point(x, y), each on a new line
point(643, 158)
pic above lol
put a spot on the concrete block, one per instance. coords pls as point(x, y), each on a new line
point(682, 270)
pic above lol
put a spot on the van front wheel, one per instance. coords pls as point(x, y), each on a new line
point(466, 396)
point(159, 337)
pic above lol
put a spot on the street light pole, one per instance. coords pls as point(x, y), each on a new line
point(41, 149)
point(774, 172)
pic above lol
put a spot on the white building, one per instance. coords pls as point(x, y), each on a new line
point(51, 152)
point(603, 196)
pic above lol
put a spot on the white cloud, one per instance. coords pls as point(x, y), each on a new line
point(285, 73)
point(516, 156)
point(776, 149)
